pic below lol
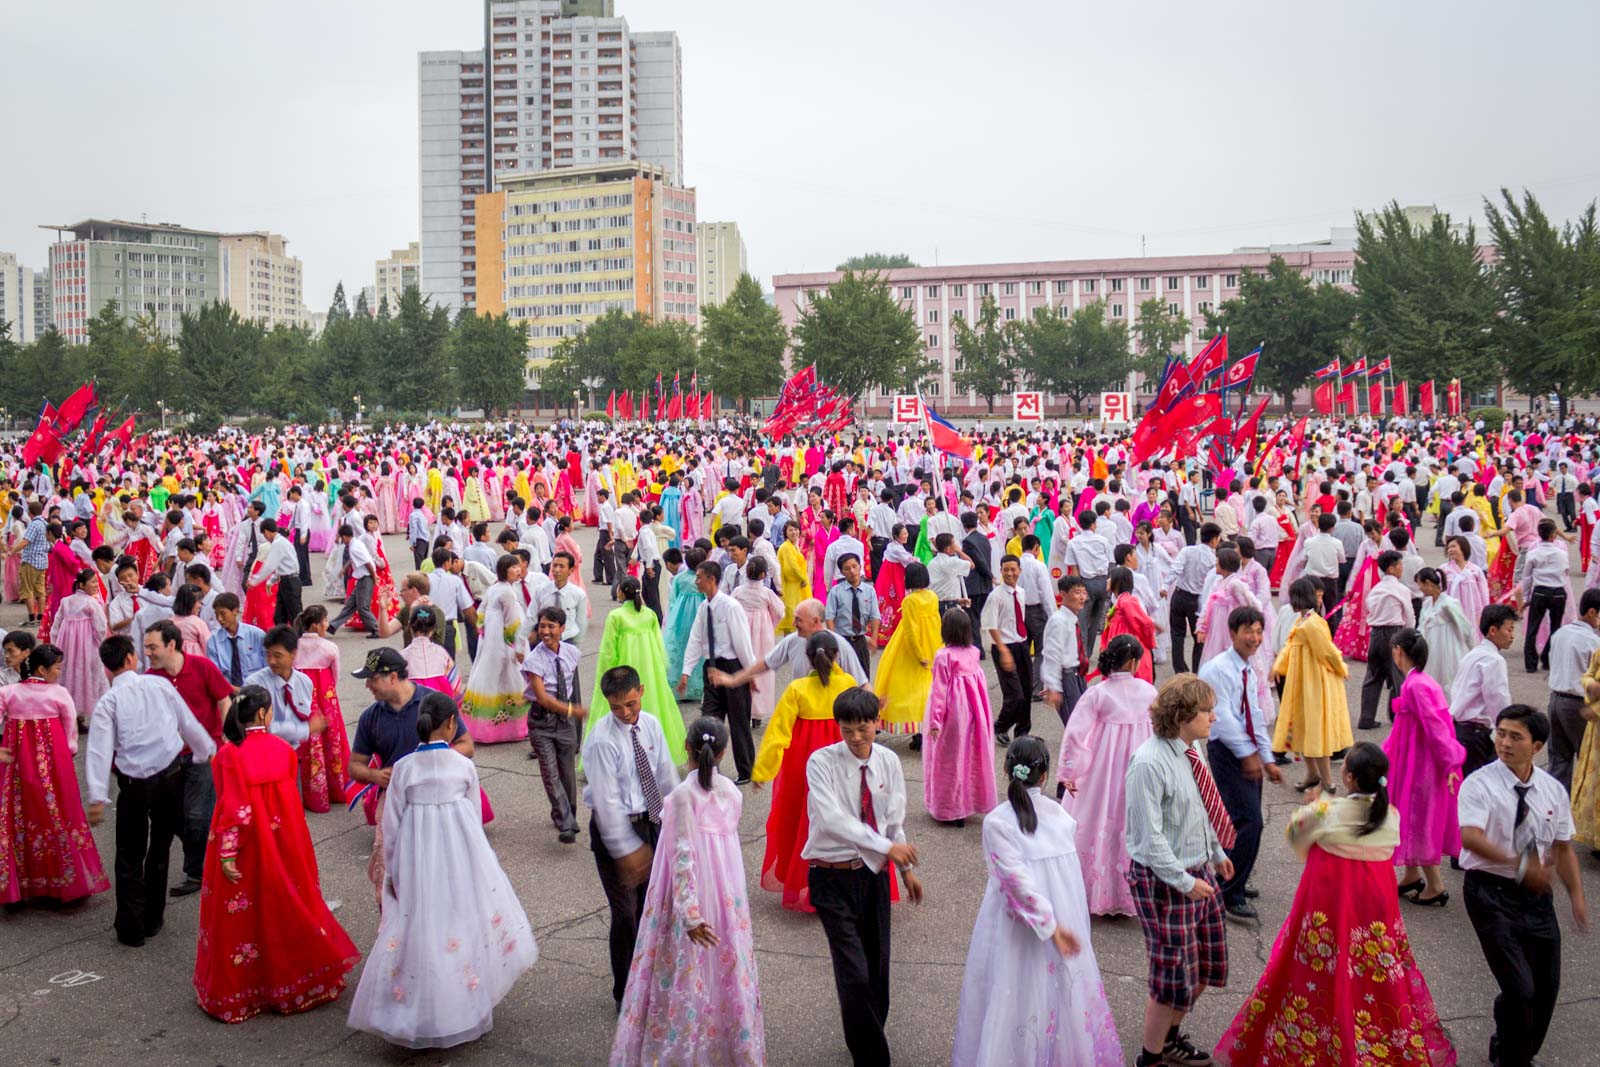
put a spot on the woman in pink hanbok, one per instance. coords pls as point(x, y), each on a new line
point(1229, 592)
point(591, 495)
point(388, 506)
point(1112, 719)
point(694, 514)
point(826, 534)
point(324, 757)
point(564, 504)
point(1351, 636)
point(494, 488)
point(693, 993)
point(565, 542)
point(80, 626)
point(46, 849)
point(764, 610)
point(1465, 580)
point(1425, 761)
point(957, 754)
point(14, 529)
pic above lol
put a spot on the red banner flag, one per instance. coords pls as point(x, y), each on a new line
point(611, 404)
point(675, 406)
point(1425, 397)
point(1177, 383)
point(1248, 429)
point(1347, 397)
point(1189, 412)
point(1322, 398)
point(1402, 398)
point(1452, 397)
point(75, 407)
point(122, 436)
point(625, 406)
point(1210, 360)
point(44, 444)
point(1375, 398)
point(1238, 376)
point(707, 405)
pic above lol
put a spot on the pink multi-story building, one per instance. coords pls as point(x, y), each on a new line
point(1188, 284)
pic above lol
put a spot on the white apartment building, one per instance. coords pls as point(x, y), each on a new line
point(261, 281)
point(567, 85)
point(16, 299)
point(721, 252)
point(397, 273)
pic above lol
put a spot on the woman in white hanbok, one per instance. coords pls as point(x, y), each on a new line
point(1032, 993)
point(1445, 626)
point(453, 937)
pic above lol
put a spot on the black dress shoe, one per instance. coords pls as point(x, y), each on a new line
point(151, 931)
point(185, 887)
point(1243, 911)
point(741, 781)
point(567, 837)
point(1251, 892)
point(131, 942)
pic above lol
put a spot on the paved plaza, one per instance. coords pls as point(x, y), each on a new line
point(71, 995)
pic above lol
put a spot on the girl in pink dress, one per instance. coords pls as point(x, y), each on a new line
point(1229, 592)
point(825, 535)
point(186, 617)
point(694, 515)
point(565, 542)
point(693, 993)
point(46, 849)
point(388, 506)
point(1425, 762)
point(324, 757)
point(1112, 719)
point(80, 626)
point(764, 609)
point(1464, 580)
point(957, 756)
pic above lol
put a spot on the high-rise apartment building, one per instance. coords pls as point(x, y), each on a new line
point(43, 316)
point(574, 244)
point(16, 299)
point(261, 281)
point(399, 272)
point(154, 269)
point(558, 84)
point(722, 258)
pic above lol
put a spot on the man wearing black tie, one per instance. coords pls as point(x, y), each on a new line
point(852, 610)
point(980, 580)
point(720, 639)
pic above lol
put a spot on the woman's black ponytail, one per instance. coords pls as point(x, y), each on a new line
point(708, 740)
point(1027, 761)
point(1369, 766)
point(822, 652)
point(632, 590)
point(434, 711)
point(247, 704)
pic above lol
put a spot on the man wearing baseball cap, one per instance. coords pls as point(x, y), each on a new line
point(387, 731)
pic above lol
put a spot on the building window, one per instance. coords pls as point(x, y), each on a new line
point(1202, 308)
point(1230, 281)
point(933, 340)
point(1145, 283)
point(1116, 285)
point(958, 313)
point(985, 289)
point(931, 292)
point(1062, 288)
point(1116, 311)
point(958, 290)
point(933, 388)
point(1172, 309)
point(1036, 288)
point(1088, 286)
point(1011, 313)
point(883, 392)
point(1202, 281)
point(907, 292)
point(933, 314)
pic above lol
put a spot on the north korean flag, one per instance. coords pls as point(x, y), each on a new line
point(1239, 375)
point(1383, 366)
point(1359, 367)
point(1331, 370)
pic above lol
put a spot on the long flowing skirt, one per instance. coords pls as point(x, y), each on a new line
point(325, 758)
point(13, 579)
point(1100, 808)
point(675, 639)
point(81, 671)
point(260, 601)
point(1351, 637)
point(46, 849)
point(891, 588)
point(788, 822)
point(1342, 986)
point(493, 707)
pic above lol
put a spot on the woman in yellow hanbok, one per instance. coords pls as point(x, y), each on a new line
point(1314, 716)
point(474, 500)
point(794, 573)
point(435, 489)
point(905, 670)
point(1586, 771)
point(521, 486)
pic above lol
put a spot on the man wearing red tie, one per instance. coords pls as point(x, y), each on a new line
point(292, 716)
point(1005, 620)
point(1178, 834)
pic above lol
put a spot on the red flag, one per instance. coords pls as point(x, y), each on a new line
point(1375, 398)
point(44, 444)
point(661, 407)
point(1246, 433)
point(75, 407)
point(675, 406)
point(1210, 360)
point(93, 440)
point(1330, 370)
point(1322, 398)
point(49, 414)
point(1189, 412)
point(1347, 397)
point(944, 437)
point(644, 405)
point(122, 436)
point(707, 405)
point(1425, 397)
point(1402, 398)
point(625, 408)
point(1358, 367)
point(1452, 397)
point(691, 406)
point(1220, 427)
point(611, 404)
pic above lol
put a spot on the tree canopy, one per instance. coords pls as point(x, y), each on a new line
point(742, 341)
point(860, 337)
point(877, 261)
point(1299, 326)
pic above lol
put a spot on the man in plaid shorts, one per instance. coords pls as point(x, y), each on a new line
point(1174, 816)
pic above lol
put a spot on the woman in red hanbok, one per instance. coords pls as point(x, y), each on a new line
point(61, 572)
point(385, 606)
point(890, 583)
point(1342, 987)
point(46, 849)
point(1286, 539)
point(260, 601)
point(834, 492)
point(324, 757)
point(267, 938)
point(1351, 637)
point(1127, 616)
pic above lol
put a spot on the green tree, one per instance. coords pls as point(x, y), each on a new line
point(741, 344)
point(987, 360)
point(346, 357)
point(290, 382)
point(593, 358)
point(860, 337)
point(1074, 354)
point(490, 357)
point(660, 349)
point(1158, 333)
point(362, 311)
point(40, 372)
point(877, 261)
point(1423, 297)
point(10, 352)
point(384, 314)
point(157, 377)
point(1299, 326)
point(1548, 332)
point(219, 352)
point(339, 310)
point(414, 358)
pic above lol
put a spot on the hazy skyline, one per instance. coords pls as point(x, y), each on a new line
point(962, 132)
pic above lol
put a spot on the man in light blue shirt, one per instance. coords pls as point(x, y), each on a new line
point(1239, 749)
point(852, 609)
point(417, 533)
point(293, 718)
point(235, 647)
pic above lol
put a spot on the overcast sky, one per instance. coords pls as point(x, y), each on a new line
point(955, 132)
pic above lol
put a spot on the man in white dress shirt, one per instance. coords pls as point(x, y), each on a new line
point(1571, 648)
point(720, 638)
point(856, 801)
point(140, 724)
point(1089, 557)
point(300, 523)
point(1542, 577)
point(278, 564)
point(360, 566)
point(1482, 686)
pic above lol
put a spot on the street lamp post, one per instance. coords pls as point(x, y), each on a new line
point(162, 404)
point(575, 401)
point(360, 410)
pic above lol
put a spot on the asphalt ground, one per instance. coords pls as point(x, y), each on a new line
point(70, 994)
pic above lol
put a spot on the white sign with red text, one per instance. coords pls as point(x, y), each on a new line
point(1116, 407)
point(1027, 407)
point(907, 407)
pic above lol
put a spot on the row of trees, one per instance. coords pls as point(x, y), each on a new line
point(417, 360)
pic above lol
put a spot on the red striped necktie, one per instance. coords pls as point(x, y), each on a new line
point(1215, 811)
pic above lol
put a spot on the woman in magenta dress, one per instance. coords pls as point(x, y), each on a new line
point(1342, 988)
point(1351, 636)
point(958, 754)
point(267, 938)
point(80, 626)
point(1425, 762)
point(46, 849)
point(1112, 719)
point(61, 574)
point(324, 757)
point(565, 542)
point(826, 534)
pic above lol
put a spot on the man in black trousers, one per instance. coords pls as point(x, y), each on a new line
point(719, 640)
point(142, 724)
point(980, 580)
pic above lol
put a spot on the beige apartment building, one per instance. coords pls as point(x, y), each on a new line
point(261, 280)
point(722, 259)
point(396, 274)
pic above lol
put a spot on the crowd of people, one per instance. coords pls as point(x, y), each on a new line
point(817, 612)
